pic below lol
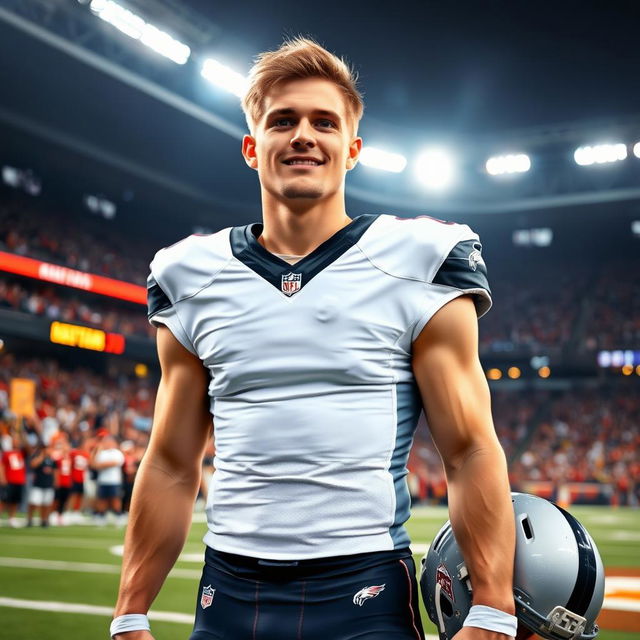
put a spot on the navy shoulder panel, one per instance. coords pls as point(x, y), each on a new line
point(157, 299)
point(464, 268)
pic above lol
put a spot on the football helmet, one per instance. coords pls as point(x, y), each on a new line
point(558, 582)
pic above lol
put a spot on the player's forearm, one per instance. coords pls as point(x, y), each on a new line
point(481, 515)
point(159, 521)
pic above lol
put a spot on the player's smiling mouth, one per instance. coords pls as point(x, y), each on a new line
point(303, 162)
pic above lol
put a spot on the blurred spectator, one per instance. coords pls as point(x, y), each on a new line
point(108, 460)
point(63, 481)
point(79, 466)
point(14, 476)
point(41, 493)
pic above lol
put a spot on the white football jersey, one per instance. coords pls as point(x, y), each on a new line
point(312, 392)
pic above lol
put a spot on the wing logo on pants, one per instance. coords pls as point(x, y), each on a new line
point(367, 593)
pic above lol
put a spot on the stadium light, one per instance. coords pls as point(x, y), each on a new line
point(135, 27)
point(141, 370)
point(636, 149)
point(512, 163)
point(22, 179)
point(514, 373)
point(11, 176)
point(542, 237)
point(224, 77)
point(383, 160)
point(435, 169)
point(544, 372)
point(600, 154)
point(494, 374)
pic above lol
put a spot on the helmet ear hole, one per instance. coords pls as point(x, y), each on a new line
point(445, 605)
point(526, 527)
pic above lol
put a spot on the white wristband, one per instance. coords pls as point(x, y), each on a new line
point(129, 622)
point(491, 619)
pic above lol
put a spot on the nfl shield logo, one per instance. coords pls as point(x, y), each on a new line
point(291, 283)
point(207, 597)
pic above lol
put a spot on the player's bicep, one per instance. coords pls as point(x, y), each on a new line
point(181, 422)
point(453, 387)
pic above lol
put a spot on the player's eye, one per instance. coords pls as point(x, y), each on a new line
point(325, 123)
point(282, 122)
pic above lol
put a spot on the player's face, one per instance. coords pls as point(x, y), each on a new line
point(305, 143)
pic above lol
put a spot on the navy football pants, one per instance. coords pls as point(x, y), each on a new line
point(370, 596)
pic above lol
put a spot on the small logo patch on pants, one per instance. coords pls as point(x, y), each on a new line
point(367, 593)
point(207, 596)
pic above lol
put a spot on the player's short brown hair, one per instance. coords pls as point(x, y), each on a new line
point(297, 59)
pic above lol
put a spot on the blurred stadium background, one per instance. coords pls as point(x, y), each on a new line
point(119, 134)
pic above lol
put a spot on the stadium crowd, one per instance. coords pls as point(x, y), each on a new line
point(586, 437)
point(85, 439)
point(613, 321)
point(33, 232)
point(56, 303)
point(544, 313)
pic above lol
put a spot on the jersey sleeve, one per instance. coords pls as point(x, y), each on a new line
point(461, 272)
point(161, 311)
point(464, 269)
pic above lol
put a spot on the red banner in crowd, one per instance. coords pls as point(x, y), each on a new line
point(48, 272)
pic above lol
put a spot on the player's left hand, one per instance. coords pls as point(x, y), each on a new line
point(473, 633)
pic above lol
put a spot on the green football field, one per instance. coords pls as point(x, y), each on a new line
point(61, 582)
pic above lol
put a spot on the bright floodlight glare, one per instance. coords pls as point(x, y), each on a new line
point(435, 169)
point(512, 163)
point(135, 27)
point(600, 154)
point(378, 159)
point(224, 77)
point(636, 149)
point(123, 19)
point(164, 44)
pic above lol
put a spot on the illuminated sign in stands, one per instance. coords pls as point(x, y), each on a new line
point(618, 358)
point(73, 335)
point(39, 270)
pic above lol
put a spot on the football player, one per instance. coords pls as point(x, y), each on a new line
point(314, 340)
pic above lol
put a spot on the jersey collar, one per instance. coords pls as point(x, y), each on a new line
point(287, 278)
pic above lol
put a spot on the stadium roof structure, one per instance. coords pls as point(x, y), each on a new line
point(481, 84)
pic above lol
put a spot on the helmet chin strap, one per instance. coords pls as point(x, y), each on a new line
point(438, 609)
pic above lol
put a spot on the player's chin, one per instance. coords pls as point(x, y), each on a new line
point(297, 191)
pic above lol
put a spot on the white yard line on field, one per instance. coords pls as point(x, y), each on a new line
point(621, 604)
point(198, 557)
point(74, 607)
point(419, 547)
point(55, 542)
point(621, 535)
point(83, 567)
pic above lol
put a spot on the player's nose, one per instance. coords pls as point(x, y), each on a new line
point(303, 136)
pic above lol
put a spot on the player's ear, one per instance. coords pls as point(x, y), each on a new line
point(249, 151)
point(354, 153)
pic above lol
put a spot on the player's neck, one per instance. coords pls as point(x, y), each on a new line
point(299, 231)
